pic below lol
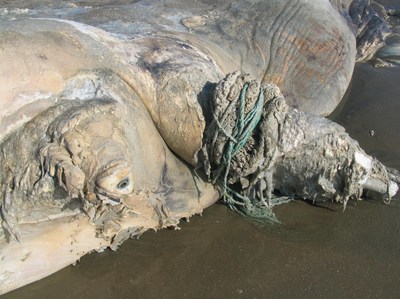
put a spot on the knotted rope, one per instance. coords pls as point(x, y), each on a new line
point(234, 127)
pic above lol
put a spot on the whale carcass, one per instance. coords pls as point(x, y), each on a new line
point(106, 133)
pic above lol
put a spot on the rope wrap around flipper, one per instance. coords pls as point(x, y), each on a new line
point(256, 145)
point(234, 154)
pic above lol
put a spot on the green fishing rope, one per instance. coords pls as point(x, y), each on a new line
point(244, 127)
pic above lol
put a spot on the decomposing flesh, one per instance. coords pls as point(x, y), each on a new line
point(284, 151)
point(100, 134)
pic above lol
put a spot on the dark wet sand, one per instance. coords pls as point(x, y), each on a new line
point(316, 252)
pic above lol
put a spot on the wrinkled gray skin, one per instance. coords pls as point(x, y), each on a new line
point(274, 41)
point(111, 123)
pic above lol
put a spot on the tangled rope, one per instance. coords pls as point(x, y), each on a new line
point(244, 127)
point(239, 105)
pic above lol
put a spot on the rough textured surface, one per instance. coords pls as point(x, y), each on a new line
point(287, 152)
point(371, 29)
point(390, 53)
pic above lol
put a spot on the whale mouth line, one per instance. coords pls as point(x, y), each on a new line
point(108, 199)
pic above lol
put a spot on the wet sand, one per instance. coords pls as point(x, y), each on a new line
point(317, 251)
